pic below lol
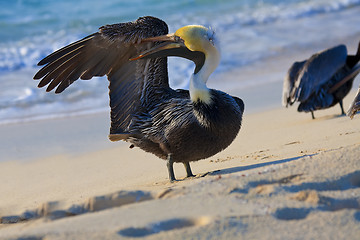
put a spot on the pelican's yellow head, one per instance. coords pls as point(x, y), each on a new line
point(197, 38)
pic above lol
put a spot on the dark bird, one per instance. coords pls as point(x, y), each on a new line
point(175, 125)
point(355, 105)
point(321, 81)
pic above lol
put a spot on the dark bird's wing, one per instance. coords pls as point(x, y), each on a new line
point(317, 70)
point(107, 52)
point(289, 82)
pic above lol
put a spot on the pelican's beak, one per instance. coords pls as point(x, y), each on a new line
point(167, 48)
point(164, 38)
point(172, 46)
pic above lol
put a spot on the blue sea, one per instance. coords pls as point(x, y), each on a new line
point(249, 31)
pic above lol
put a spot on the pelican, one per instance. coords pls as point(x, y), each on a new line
point(321, 81)
point(355, 105)
point(175, 125)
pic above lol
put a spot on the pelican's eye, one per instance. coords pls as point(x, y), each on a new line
point(211, 40)
point(178, 39)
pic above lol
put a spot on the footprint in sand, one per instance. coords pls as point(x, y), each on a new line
point(167, 225)
point(291, 213)
point(118, 199)
point(326, 204)
point(357, 216)
point(310, 192)
point(57, 209)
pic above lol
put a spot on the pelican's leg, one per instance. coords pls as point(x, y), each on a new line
point(170, 167)
point(312, 115)
point(188, 170)
point(342, 107)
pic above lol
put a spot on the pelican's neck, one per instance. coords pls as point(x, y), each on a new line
point(198, 89)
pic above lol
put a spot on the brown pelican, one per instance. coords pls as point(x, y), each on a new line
point(321, 81)
point(355, 105)
point(175, 125)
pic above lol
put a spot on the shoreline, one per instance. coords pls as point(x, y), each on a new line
point(58, 136)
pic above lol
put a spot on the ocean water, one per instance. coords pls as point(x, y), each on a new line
point(249, 31)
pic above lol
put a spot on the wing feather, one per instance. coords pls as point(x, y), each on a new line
point(55, 64)
point(63, 51)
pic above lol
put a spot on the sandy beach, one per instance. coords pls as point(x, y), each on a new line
point(285, 176)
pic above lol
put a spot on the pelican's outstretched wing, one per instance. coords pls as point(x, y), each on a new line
point(107, 52)
point(317, 70)
point(355, 105)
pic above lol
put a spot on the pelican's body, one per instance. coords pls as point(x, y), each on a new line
point(321, 81)
point(176, 125)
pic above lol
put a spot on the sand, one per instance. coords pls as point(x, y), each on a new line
point(285, 176)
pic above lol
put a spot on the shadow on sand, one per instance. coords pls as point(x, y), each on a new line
point(258, 165)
